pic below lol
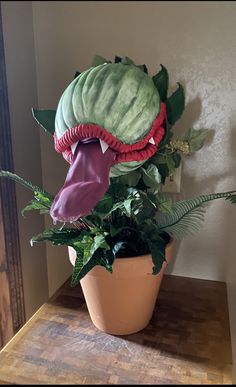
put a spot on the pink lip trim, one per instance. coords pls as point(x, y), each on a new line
point(138, 151)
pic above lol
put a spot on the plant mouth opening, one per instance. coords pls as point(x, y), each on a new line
point(92, 150)
point(141, 150)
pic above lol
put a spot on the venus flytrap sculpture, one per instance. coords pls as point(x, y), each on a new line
point(114, 125)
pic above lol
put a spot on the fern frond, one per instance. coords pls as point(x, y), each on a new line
point(20, 180)
point(187, 216)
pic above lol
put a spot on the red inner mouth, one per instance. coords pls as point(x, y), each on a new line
point(141, 150)
point(87, 179)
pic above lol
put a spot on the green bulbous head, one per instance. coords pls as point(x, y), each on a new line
point(121, 98)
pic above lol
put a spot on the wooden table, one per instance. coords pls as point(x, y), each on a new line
point(186, 342)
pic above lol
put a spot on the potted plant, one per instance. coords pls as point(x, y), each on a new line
point(114, 125)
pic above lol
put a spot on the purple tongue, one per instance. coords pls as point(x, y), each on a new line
point(86, 182)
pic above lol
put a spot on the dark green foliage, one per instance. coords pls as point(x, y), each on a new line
point(161, 81)
point(195, 138)
point(134, 217)
point(175, 105)
point(45, 118)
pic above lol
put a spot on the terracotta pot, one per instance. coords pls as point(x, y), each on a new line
point(122, 303)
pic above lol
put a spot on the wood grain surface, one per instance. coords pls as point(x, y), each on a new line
point(12, 310)
point(186, 342)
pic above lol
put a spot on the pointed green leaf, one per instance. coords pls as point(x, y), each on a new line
point(195, 138)
point(77, 74)
point(118, 59)
point(127, 206)
point(170, 163)
point(127, 61)
point(35, 205)
point(164, 203)
point(45, 118)
point(175, 105)
point(151, 177)
point(161, 81)
point(157, 249)
point(143, 68)
point(23, 182)
point(98, 60)
point(131, 179)
point(64, 236)
point(104, 205)
point(81, 269)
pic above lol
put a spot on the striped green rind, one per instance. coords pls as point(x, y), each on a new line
point(120, 98)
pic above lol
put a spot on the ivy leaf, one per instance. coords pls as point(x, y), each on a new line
point(147, 209)
point(175, 105)
point(104, 205)
point(164, 203)
point(117, 247)
point(161, 81)
point(81, 268)
point(99, 242)
point(131, 179)
point(46, 119)
point(114, 230)
point(177, 159)
point(170, 163)
point(157, 249)
point(195, 138)
point(151, 177)
point(127, 207)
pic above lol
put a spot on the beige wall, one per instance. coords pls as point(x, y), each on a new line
point(196, 42)
point(21, 79)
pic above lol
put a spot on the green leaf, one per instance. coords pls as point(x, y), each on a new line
point(127, 61)
point(131, 179)
point(143, 68)
point(115, 230)
point(35, 205)
point(127, 206)
point(157, 249)
point(104, 205)
point(44, 198)
point(188, 215)
point(65, 236)
point(164, 203)
point(98, 60)
point(147, 209)
point(40, 195)
point(151, 177)
point(177, 159)
point(118, 59)
point(99, 242)
point(45, 118)
point(77, 73)
point(170, 163)
point(81, 269)
point(117, 247)
point(161, 81)
point(195, 138)
point(175, 105)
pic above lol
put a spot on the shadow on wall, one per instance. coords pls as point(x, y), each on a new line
point(206, 185)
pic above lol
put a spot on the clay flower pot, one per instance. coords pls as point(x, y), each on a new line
point(122, 303)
